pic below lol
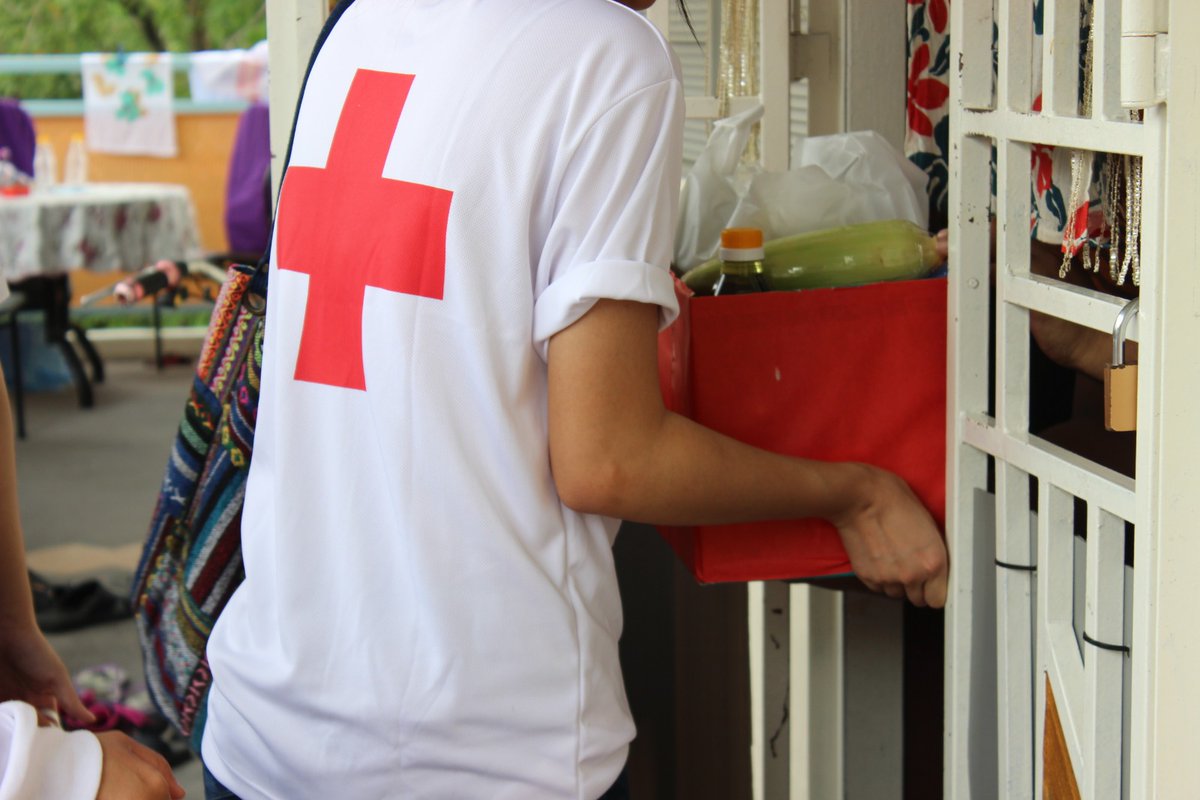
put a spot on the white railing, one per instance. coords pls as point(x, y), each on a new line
point(70, 64)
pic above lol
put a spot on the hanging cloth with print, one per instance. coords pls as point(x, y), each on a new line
point(128, 104)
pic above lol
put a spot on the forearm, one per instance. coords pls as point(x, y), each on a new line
point(681, 473)
point(16, 601)
point(616, 451)
point(1070, 345)
point(1075, 346)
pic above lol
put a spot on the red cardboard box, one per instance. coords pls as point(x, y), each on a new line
point(848, 374)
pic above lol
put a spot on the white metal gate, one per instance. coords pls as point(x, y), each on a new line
point(1120, 669)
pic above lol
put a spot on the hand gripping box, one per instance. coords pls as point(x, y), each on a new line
point(846, 374)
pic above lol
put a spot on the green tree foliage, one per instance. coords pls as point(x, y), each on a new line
point(81, 26)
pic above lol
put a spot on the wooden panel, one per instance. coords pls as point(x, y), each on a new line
point(1058, 780)
point(684, 655)
point(712, 690)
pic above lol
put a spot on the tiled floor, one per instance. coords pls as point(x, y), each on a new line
point(87, 481)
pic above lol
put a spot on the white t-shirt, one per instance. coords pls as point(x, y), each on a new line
point(45, 762)
point(422, 617)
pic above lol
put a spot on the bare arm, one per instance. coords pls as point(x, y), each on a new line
point(16, 600)
point(30, 670)
point(1074, 346)
point(616, 450)
point(1065, 343)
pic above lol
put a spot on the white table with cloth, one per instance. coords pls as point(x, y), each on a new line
point(94, 226)
point(97, 226)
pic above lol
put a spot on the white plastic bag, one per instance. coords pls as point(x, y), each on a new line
point(835, 180)
point(712, 189)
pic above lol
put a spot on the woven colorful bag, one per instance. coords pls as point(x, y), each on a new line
point(192, 560)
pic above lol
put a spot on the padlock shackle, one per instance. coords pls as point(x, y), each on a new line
point(1127, 313)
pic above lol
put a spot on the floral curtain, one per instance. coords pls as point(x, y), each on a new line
point(927, 134)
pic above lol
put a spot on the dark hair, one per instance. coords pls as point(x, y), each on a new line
point(687, 18)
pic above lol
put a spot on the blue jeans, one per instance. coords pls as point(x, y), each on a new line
point(213, 790)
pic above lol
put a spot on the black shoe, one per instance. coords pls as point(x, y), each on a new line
point(68, 607)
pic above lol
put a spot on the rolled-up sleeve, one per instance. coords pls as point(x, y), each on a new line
point(613, 229)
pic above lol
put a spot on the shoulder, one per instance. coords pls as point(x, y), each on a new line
point(601, 20)
point(604, 40)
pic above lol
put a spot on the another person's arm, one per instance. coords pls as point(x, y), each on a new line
point(47, 762)
point(1065, 343)
point(616, 450)
point(30, 670)
point(1074, 346)
point(44, 761)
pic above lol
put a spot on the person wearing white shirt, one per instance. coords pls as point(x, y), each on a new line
point(460, 400)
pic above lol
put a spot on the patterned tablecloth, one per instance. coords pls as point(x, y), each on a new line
point(97, 226)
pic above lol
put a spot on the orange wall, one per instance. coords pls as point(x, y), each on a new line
point(205, 144)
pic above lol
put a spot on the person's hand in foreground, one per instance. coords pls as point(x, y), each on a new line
point(30, 670)
point(134, 772)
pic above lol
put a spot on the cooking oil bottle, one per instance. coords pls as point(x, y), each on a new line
point(742, 270)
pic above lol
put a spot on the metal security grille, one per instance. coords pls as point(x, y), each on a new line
point(1034, 605)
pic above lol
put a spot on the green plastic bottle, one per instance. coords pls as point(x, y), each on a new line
point(845, 256)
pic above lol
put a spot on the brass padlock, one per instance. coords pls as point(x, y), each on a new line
point(1120, 379)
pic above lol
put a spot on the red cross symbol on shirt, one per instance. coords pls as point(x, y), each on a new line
point(347, 227)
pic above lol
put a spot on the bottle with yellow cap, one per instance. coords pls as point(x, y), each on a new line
point(848, 256)
point(742, 270)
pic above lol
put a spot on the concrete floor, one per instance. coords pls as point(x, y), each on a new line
point(88, 479)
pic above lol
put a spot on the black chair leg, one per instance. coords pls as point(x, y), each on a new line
point(82, 385)
point(89, 352)
point(156, 315)
point(51, 294)
point(54, 298)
